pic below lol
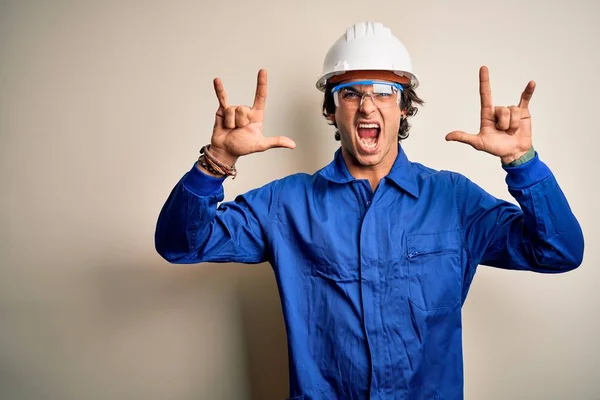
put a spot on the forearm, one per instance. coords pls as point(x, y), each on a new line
point(541, 235)
point(187, 216)
point(550, 236)
point(191, 228)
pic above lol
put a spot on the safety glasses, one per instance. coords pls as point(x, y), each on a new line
point(383, 94)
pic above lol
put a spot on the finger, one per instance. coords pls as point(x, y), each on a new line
point(221, 94)
point(261, 90)
point(230, 118)
point(242, 116)
point(219, 119)
point(526, 95)
point(276, 141)
point(485, 92)
point(515, 119)
point(502, 116)
point(463, 137)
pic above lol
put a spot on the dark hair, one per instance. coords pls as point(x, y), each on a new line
point(409, 96)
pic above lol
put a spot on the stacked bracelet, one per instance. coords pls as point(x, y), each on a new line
point(202, 161)
point(214, 166)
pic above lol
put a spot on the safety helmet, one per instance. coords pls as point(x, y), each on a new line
point(367, 46)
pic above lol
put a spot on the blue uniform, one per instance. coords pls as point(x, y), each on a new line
point(372, 284)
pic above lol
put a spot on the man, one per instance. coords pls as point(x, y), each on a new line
point(373, 254)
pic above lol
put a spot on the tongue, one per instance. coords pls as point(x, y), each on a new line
point(367, 132)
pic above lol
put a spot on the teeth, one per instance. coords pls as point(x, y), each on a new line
point(369, 143)
point(368, 126)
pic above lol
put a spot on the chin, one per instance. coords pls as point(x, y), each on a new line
point(366, 160)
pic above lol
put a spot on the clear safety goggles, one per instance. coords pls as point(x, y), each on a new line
point(382, 94)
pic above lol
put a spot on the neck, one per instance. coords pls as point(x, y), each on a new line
point(373, 173)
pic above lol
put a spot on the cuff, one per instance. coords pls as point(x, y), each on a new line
point(527, 174)
point(202, 184)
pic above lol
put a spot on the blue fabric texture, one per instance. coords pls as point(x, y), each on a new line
point(372, 284)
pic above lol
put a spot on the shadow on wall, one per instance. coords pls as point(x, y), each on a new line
point(263, 334)
point(138, 329)
point(194, 326)
point(165, 331)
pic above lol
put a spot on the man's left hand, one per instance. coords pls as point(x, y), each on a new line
point(503, 131)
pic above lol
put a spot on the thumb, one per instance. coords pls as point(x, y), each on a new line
point(276, 141)
point(463, 137)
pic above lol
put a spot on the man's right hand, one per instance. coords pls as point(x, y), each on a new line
point(238, 130)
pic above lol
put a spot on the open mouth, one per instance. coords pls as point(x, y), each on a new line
point(368, 135)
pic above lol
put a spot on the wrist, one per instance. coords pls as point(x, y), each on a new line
point(223, 156)
point(215, 166)
point(205, 168)
point(519, 158)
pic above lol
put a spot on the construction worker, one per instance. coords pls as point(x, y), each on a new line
point(373, 254)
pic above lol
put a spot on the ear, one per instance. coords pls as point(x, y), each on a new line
point(331, 118)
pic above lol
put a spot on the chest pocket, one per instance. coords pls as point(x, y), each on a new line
point(434, 270)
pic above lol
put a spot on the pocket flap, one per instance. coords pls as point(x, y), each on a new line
point(425, 243)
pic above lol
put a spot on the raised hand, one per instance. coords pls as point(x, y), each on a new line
point(503, 131)
point(238, 130)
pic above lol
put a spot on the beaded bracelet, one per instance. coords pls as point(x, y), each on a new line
point(208, 161)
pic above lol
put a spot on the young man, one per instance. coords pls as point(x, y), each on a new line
point(373, 254)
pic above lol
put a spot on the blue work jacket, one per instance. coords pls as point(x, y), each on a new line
point(372, 284)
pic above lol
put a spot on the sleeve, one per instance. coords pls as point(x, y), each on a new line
point(542, 235)
point(192, 229)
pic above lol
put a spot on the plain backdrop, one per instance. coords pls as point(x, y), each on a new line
point(104, 106)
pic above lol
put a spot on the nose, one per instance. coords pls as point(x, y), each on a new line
point(367, 104)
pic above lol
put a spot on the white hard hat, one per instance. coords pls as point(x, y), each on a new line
point(367, 46)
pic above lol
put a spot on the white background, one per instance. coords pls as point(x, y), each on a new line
point(104, 106)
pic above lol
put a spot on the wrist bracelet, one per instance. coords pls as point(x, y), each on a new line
point(215, 166)
point(204, 163)
point(523, 159)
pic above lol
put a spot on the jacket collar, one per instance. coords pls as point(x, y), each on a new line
point(402, 173)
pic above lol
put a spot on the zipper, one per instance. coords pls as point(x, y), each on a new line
point(414, 254)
